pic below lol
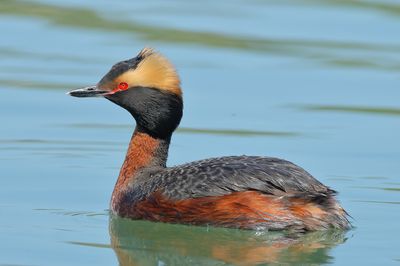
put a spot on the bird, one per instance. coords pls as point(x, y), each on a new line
point(242, 192)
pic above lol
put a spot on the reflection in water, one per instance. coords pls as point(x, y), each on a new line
point(352, 109)
point(148, 243)
point(378, 6)
point(30, 84)
point(323, 51)
point(192, 130)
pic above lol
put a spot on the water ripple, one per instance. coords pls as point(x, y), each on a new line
point(322, 51)
point(204, 131)
point(353, 109)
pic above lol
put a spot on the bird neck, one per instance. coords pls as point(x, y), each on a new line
point(144, 153)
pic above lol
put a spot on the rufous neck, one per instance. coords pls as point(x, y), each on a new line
point(144, 151)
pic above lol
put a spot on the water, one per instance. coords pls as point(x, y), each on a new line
point(313, 81)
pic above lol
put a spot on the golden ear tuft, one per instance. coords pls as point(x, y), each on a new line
point(154, 71)
point(146, 51)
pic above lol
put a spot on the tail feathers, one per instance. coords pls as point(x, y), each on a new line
point(319, 212)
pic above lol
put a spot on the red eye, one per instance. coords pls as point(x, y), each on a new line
point(123, 86)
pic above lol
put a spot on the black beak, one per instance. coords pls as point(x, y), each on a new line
point(91, 91)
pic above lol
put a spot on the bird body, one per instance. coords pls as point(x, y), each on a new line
point(247, 192)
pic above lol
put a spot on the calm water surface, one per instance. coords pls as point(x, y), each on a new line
point(314, 81)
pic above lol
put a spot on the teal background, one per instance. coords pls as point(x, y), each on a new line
point(312, 81)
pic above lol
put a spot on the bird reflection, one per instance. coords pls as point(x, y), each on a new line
point(148, 243)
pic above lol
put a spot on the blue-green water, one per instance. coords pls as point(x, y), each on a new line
point(316, 82)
